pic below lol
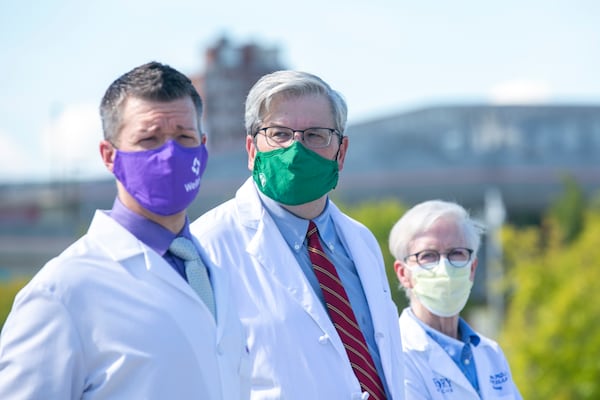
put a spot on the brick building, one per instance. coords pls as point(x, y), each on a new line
point(230, 71)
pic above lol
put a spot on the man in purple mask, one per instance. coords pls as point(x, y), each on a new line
point(133, 309)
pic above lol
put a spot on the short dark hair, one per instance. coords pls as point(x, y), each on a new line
point(152, 81)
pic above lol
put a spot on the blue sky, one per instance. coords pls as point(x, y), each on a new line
point(385, 56)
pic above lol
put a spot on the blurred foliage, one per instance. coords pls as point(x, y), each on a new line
point(551, 333)
point(568, 210)
point(8, 291)
point(379, 217)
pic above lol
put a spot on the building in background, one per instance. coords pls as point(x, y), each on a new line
point(458, 152)
point(230, 71)
point(452, 152)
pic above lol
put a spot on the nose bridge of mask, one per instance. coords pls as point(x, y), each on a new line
point(451, 268)
point(443, 289)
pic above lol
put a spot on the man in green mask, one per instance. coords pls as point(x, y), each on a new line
point(309, 281)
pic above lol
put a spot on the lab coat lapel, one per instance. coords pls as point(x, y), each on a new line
point(279, 262)
point(161, 269)
point(219, 280)
point(144, 263)
point(442, 365)
point(374, 287)
point(106, 230)
point(438, 360)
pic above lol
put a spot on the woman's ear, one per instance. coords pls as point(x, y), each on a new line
point(403, 274)
point(473, 268)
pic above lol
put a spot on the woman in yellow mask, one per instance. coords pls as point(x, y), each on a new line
point(435, 245)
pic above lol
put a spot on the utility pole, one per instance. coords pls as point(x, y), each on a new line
point(495, 215)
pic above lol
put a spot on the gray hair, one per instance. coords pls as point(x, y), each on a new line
point(153, 82)
point(419, 218)
point(292, 84)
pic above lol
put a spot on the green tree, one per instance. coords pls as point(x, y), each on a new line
point(551, 333)
point(568, 210)
point(8, 291)
point(379, 217)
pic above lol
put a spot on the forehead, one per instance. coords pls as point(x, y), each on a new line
point(442, 234)
point(308, 110)
point(142, 109)
point(140, 117)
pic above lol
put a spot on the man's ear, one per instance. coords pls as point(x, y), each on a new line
point(107, 153)
point(341, 156)
point(251, 149)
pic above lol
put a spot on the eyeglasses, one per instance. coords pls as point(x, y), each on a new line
point(316, 138)
point(458, 257)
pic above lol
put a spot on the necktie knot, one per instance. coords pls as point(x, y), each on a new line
point(195, 270)
point(312, 234)
point(184, 249)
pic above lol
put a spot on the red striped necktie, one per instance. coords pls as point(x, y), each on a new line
point(343, 317)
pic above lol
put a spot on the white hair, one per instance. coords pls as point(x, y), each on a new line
point(420, 217)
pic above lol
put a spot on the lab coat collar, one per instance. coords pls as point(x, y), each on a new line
point(282, 264)
point(285, 269)
point(415, 338)
point(376, 295)
point(104, 230)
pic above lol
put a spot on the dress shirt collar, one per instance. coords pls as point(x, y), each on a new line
point(293, 228)
point(466, 333)
point(155, 236)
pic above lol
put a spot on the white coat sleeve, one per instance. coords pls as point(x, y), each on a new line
point(40, 351)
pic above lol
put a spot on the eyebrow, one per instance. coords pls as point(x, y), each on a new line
point(156, 128)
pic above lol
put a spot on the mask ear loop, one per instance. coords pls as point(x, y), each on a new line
point(337, 153)
point(112, 143)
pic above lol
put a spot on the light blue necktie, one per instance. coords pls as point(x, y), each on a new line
point(195, 270)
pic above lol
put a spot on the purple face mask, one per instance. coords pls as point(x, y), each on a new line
point(164, 180)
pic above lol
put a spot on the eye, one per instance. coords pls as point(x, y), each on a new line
point(279, 133)
point(148, 139)
point(458, 254)
point(427, 257)
point(315, 135)
point(187, 137)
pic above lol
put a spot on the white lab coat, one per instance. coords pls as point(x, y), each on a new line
point(295, 349)
point(110, 319)
point(430, 373)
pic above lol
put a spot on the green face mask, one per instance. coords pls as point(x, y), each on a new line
point(294, 175)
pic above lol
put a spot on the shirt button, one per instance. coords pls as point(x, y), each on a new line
point(467, 361)
point(324, 339)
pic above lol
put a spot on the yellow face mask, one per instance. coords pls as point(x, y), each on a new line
point(443, 289)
